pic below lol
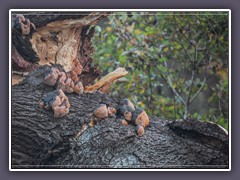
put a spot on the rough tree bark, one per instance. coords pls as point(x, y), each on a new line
point(38, 140)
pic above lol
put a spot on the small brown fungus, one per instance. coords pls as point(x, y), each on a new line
point(48, 100)
point(61, 105)
point(140, 130)
point(23, 25)
point(111, 111)
point(126, 111)
point(140, 117)
point(124, 122)
point(78, 88)
point(41, 105)
point(101, 111)
point(128, 115)
point(52, 77)
point(58, 101)
point(127, 102)
point(65, 83)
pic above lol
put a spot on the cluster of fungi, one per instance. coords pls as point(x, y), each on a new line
point(66, 47)
point(59, 103)
point(127, 113)
point(23, 25)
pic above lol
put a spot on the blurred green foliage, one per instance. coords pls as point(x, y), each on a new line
point(177, 62)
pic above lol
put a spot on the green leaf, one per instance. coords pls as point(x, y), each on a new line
point(177, 46)
point(163, 59)
point(150, 30)
point(98, 28)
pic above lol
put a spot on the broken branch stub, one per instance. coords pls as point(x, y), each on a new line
point(63, 39)
point(107, 80)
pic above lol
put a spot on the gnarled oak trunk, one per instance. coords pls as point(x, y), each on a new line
point(39, 140)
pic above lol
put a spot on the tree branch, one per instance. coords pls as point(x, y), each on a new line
point(171, 85)
point(186, 52)
point(199, 90)
point(190, 89)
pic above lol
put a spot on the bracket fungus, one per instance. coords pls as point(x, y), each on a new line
point(57, 101)
point(65, 83)
point(111, 111)
point(136, 116)
point(23, 25)
point(48, 100)
point(126, 111)
point(127, 102)
point(101, 111)
point(124, 122)
point(141, 119)
point(61, 105)
point(58, 77)
point(78, 88)
point(140, 130)
point(52, 77)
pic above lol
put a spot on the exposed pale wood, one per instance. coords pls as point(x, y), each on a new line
point(16, 78)
point(107, 80)
point(59, 42)
point(63, 38)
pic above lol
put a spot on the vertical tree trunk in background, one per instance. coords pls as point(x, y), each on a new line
point(39, 140)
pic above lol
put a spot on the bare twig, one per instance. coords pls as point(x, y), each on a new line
point(166, 81)
point(186, 52)
point(199, 90)
point(171, 85)
point(190, 89)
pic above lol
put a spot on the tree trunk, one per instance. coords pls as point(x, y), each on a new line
point(38, 140)
point(41, 141)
